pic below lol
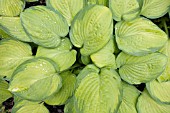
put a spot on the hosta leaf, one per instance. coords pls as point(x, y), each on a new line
point(85, 71)
point(3, 34)
point(99, 93)
point(139, 37)
point(150, 8)
point(68, 8)
point(140, 69)
point(12, 54)
point(85, 60)
point(146, 104)
point(33, 108)
point(159, 90)
point(35, 80)
point(67, 89)
point(91, 29)
point(99, 2)
point(5, 94)
point(48, 27)
point(124, 9)
point(11, 7)
point(19, 103)
point(63, 56)
point(129, 100)
point(70, 106)
point(13, 27)
point(165, 76)
point(105, 56)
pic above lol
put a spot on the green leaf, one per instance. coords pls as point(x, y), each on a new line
point(11, 7)
point(70, 106)
point(129, 99)
point(150, 8)
point(68, 8)
point(12, 54)
point(140, 69)
point(12, 26)
point(85, 60)
point(139, 37)
point(49, 26)
point(33, 108)
point(146, 104)
point(19, 103)
point(159, 90)
point(67, 89)
point(99, 2)
point(165, 76)
point(5, 94)
point(124, 9)
point(91, 29)
point(105, 56)
point(99, 92)
point(63, 55)
point(35, 80)
point(3, 34)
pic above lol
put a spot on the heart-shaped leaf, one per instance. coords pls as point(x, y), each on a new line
point(35, 80)
point(91, 29)
point(140, 69)
point(99, 92)
point(49, 26)
point(139, 37)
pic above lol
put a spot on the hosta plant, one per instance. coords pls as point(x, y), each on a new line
point(90, 56)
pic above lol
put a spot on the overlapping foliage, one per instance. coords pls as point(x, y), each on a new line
point(85, 54)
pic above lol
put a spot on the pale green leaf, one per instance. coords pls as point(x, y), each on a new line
point(35, 80)
point(67, 89)
point(139, 37)
point(5, 94)
point(159, 90)
point(129, 99)
point(44, 26)
point(68, 8)
point(85, 71)
point(12, 54)
point(105, 56)
point(146, 104)
point(12, 26)
point(19, 103)
point(99, 2)
point(165, 76)
point(11, 7)
point(154, 8)
point(91, 29)
point(99, 92)
point(62, 55)
point(33, 108)
point(124, 9)
point(140, 69)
